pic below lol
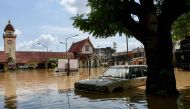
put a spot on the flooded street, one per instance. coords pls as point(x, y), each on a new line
point(44, 89)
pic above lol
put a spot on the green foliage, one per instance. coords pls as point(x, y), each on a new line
point(53, 65)
point(109, 17)
point(103, 19)
point(181, 27)
point(10, 59)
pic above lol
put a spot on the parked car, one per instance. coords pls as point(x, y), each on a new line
point(115, 78)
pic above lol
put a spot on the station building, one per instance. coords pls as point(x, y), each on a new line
point(25, 59)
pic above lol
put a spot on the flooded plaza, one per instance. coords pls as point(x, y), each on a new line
point(45, 89)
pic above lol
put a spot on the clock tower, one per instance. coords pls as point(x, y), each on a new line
point(9, 40)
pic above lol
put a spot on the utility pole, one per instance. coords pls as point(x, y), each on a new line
point(46, 63)
point(127, 49)
point(114, 47)
point(68, 67)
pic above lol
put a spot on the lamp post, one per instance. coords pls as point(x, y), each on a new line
point(46, 66)
point(127, 49)
point(68, 67)
point(65, 45)
point(114, 47)
point(65, 50)
point(43, 46)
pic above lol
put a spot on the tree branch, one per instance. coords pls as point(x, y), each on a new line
point(147, 5)
point(135, 8)
point(171, 10)
point(135, 28)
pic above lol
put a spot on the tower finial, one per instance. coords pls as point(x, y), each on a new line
point(9, 21)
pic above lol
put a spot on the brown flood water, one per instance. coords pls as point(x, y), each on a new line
point(44, 89)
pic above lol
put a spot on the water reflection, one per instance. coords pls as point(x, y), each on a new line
point(10, 91)
point(161, 103)
point(184, 99)
point(44, 89)
point(181, 102)
point(36, 88)
point(128, 98)
point(126, 93)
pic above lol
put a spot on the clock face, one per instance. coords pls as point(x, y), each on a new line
point(9, 42)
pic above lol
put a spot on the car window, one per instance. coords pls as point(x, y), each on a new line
point(135, 72)
point(144, 71)
point(117, 72)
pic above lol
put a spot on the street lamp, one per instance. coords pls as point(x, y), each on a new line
point(127, 45)
point(46, 64)
point(68, 67)
point(114, 47)
point(43, 46)
point(65, 45)
point(62, 42)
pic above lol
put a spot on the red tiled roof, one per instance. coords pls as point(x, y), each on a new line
point(3, 56)
point(33, 56)
point(77, 46)
point(30, 56)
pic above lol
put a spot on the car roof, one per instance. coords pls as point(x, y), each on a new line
point(129, 66)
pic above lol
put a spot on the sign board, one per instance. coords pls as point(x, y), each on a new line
point(73, 64)
point(62, 64)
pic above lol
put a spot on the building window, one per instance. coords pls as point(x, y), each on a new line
point(87, 48)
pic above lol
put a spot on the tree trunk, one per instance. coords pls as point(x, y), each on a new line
point(160, 79)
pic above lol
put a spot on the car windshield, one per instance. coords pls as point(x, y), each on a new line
point(117, 72)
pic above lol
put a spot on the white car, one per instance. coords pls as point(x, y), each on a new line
point(115, 78)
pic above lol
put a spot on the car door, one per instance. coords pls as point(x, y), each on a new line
point(136, 77)
point(144, 70)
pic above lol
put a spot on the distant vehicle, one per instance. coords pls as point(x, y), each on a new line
point(23, 66)
point(115, 78)
point(182, 55)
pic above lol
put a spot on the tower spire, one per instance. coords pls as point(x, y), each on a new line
point(9, 22)
point(9, 26)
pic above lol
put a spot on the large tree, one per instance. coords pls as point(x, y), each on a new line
point(149, 21)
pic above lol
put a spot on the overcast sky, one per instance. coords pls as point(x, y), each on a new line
point(48, 22)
